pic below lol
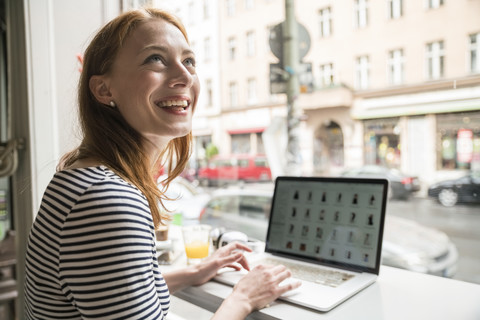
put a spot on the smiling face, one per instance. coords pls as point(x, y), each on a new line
point(153, 82)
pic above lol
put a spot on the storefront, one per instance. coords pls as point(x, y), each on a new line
point(382, 142)
point(458, 141)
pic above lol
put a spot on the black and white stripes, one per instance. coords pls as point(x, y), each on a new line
point(91, 251)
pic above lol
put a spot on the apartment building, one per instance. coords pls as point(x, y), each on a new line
point(397, 83)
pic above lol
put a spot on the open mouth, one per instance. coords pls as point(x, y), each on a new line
point(177, 105)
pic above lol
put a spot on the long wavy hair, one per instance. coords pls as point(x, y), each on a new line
point(107, 137)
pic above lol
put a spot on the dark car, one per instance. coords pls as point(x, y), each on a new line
point(401, 185)
point(462, 190)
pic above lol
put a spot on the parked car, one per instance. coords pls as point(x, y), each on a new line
point(401, 185)
point(243, 167)
point(407, 244)
point(465, 189)
point(184, 199)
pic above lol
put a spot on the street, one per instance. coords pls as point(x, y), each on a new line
point(461, 223)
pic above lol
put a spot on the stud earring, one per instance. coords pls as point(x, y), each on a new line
point(112, 104)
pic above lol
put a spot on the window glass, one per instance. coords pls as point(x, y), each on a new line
point(393, 91)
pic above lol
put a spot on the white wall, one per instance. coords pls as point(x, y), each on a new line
point(56, 31)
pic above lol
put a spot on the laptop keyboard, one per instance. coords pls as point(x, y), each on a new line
point(310, 273)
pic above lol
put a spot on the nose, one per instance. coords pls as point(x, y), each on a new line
point(181, 76)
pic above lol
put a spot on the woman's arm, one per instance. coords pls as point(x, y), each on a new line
point(254, 291)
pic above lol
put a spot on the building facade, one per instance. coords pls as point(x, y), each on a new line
point(396, 83)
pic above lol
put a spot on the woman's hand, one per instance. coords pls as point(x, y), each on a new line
point(230, 255)
point(256, 290)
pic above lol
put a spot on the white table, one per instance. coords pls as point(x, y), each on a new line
point(397, 294)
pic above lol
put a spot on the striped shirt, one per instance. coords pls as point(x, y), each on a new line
point(91, 251)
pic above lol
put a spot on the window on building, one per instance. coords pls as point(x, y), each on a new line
point(191, 13)
point(362, 70)
point(249, 4)
point(233, 94)
point(232, 48)
point(207, 48)
point(475, 53)
point(206, 9)
point(325, 22)
point(252, 91)
point(231, 7)
point(396, 67)
point(432, 4)
point(209, 92)
point(250, 44)
point(395, 9)
point(435, 60)
point(361, 13)
point(326, 75)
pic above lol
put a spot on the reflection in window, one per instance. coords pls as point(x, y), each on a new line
point(361, 13)
point(459, 141)
point(395, 66)
point(250, 44)
point(325, 22)
point(435, 60)
point(251, 91)
point(233, 94)
point(475, 53)
point(326, 75)
point(232, 47)
point(362, 70)
point(231, 7)
point(395, 9)
point(432, 4)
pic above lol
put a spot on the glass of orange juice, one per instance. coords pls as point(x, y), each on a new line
point(196, 239)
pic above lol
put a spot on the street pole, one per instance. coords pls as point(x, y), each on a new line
point(291, 62)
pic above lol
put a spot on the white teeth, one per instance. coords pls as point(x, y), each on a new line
point(176, 103)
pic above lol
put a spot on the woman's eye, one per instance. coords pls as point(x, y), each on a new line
point(189, 62)
point(155, 58)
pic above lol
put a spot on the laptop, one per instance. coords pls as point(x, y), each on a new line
point(328, 231)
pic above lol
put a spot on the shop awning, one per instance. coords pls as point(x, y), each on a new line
point(246, 130)
point(457, 100)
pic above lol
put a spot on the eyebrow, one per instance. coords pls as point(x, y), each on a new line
point(164, 49)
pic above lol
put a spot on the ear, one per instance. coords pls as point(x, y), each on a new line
point(99, 86)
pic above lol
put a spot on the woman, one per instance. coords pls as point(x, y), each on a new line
point(91, 251)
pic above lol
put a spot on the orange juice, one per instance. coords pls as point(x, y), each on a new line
point(197, 250)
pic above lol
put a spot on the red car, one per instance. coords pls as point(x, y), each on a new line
point(224, 169)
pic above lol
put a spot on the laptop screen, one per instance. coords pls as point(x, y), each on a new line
point(336, 222)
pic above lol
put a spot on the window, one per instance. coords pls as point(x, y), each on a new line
point(191, 13)
point(233, 94)
point(249, 4)
point(209, 92)
point(206, 9)
point(326, 75)
point(432, 4)
point(395, 67)
point(395, 9)
point(232, 44)
point(475, 53)
point(435, 60)
point(252, 91)
point(250, 44)
point(361, 13)
point(325, 22)
point(362, 67)
point(207, 48)
point(231, 7)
